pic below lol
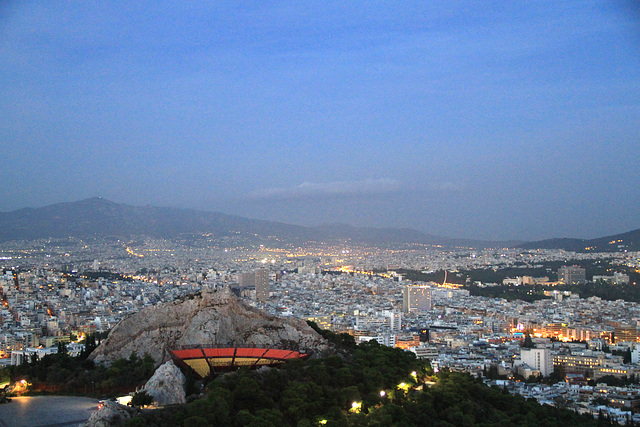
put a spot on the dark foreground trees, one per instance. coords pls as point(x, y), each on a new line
point(364, 385)
point(345, 390)
point(63, 374)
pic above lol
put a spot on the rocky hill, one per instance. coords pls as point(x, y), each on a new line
point(208, 319)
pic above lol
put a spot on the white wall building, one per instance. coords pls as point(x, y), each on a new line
point(539, 359)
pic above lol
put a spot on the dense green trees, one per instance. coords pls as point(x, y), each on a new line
point(141, 399)
point(323, 392)
point(531, 293)
point(342, 389)
point(61, 373)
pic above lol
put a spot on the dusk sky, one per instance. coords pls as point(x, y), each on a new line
point(486, 119)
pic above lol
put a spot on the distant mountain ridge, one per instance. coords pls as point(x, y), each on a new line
point(98, 216)
point(629, 241)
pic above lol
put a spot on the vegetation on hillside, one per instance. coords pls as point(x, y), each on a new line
point(344, 389)
point(62, 374)
point(529, 293)
point(358, 385)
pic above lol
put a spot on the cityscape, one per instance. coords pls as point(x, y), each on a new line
point(306, 214)
point(62, 290)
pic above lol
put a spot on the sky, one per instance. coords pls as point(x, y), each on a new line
point(472, 119)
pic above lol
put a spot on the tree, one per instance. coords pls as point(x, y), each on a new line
point(141, 398)
point(528, 342)
point(62, 348)
point(558, 374)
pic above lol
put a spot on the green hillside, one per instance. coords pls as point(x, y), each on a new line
point(345, 390)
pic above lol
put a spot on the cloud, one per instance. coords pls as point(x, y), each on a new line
point(331, 189)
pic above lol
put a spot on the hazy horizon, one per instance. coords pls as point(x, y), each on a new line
point(489, 121)
point(329, 223)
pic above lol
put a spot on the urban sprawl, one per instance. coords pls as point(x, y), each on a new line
point(57, 291)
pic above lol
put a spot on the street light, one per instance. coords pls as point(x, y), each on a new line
point(403, 386)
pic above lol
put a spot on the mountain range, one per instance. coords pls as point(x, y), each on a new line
point(98, 216)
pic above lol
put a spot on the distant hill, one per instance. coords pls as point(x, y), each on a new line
point(98, 216)
point(101, 217)
point(626, 241)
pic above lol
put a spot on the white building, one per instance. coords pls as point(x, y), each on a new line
point(18, 357)
point(635, 354)
point(425, 352)
point(539, 359)
point(384, 339)
point(395, 320)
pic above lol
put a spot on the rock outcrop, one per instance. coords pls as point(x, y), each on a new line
point(111, 414)
point(167, 385)
point(207, 319)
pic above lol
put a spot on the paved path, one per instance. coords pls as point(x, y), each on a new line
point(46, 411)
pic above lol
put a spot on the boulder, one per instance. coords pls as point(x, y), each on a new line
point(111, 414)
point(167, 385)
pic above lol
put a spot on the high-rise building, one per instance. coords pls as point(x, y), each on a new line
point(262, 284)
point(572, 275)
point(416, 298)
point(539, 359)
point(246, 279)
point(394, 320)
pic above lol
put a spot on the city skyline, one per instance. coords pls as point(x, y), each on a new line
point(492, 121)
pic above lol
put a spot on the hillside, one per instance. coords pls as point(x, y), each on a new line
point(98, 216)
point(346, 390)
point(101, 217)
point(625, 241)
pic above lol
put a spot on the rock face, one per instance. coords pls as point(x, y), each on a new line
point(167, 385)
point(111, 414)
point(208, 319)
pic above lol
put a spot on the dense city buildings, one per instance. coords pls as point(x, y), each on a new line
point(57, 293)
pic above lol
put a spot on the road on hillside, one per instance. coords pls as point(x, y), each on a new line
point(46, 411)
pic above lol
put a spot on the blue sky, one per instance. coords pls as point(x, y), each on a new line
point(492, 119)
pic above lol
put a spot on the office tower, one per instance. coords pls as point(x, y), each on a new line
point(416, 298)
point(246, 279)
point(262, 284)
